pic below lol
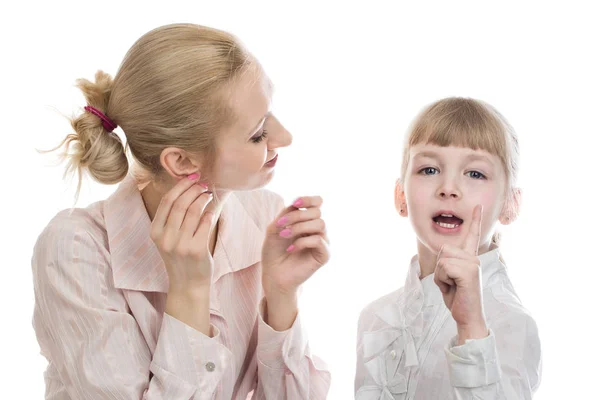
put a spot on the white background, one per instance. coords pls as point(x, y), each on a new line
point(349, 79)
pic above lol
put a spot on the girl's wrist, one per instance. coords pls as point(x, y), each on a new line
point(476, 330)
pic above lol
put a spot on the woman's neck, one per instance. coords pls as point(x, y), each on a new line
point(152, 197)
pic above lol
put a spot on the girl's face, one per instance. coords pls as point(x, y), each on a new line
point(246, 150)
point(451, 181)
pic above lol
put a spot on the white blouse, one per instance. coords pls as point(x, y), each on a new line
point(407, 349)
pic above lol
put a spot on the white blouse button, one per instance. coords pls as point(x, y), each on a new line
point(393, 354)
point(210, 366)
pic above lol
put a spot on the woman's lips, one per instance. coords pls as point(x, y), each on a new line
point(272, 162)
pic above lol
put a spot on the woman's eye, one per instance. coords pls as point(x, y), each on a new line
point(476, 175)
point(428, 171)
point(259, 138)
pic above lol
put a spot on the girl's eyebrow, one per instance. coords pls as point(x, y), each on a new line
point(479, 157)
point(427, 153)
point(470, 157)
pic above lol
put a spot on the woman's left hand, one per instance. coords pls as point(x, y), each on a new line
point(295, 247)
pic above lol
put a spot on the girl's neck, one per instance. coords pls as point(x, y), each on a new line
point(428, 259)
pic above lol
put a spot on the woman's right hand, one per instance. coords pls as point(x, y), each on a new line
point(180, 230)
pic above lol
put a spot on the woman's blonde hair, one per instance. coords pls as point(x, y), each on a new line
point(465, 122)
point(168, 91)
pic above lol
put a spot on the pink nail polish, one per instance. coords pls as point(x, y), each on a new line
point(282, 221)
point(193, 176)
point(204, 185)
point(298, 203)
point(292, 247)
point(285, 233)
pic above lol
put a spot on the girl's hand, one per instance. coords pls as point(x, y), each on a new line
point(295, 246)
point(458, 275)
point(180, 230)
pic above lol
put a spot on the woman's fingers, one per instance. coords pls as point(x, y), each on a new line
point(192, 218)
point(308, 202)
point(167, 201)
point(300, 205)
point(181, 206)
point(295, 215)
point(307, 228)
point(204, 226)
point(315, 242)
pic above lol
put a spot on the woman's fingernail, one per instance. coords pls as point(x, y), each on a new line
point(298, 203)
point(204, 185)
point(282, 221)
point(193, 176)
point(285, 233)
point(292, 247)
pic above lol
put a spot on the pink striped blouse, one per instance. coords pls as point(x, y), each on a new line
point(100, 290)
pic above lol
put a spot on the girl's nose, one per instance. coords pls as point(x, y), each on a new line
point(449, 190)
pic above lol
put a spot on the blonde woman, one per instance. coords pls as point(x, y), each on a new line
point(457, 329)
point(183, 283)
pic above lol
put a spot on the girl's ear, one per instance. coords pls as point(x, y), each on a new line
point(400, 199)
point(511, 208)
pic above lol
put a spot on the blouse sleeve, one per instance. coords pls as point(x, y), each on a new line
point(286, 367)
point(504, 365)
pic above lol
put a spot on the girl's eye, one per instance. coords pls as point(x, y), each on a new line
point(476, 175)
point(259, 138)
point(428, 171)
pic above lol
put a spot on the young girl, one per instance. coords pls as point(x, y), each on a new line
point(182, 284)
point(457, 329)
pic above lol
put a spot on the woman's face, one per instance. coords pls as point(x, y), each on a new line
point(246, 150)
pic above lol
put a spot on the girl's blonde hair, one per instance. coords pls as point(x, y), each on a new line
point(168, 91)
point(466, 122)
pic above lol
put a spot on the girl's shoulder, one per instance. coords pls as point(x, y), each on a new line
point(368, 318)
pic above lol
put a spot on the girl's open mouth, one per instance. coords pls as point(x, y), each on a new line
point(447, 221)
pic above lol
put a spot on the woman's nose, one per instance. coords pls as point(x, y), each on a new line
point(280, 137)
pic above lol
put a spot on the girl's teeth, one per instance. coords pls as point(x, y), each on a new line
point(444, 225)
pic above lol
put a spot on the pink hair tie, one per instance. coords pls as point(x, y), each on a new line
point(106, 122)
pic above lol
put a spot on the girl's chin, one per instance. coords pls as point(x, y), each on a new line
point(433, 244)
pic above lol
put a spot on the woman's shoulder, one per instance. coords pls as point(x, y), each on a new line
point(73, 238)
point(87, 221)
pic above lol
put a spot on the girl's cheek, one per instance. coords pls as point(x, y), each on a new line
point(488, 198)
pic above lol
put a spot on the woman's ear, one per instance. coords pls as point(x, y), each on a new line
point(178, 163)
point(400, 199)
point(512, 207)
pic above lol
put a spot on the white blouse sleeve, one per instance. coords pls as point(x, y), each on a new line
point(505, 365)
